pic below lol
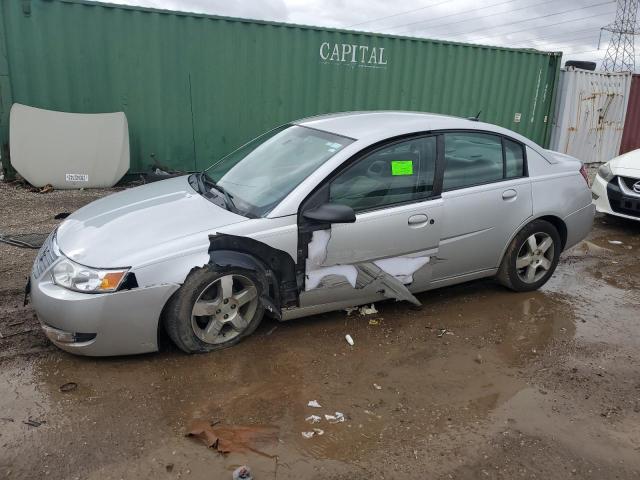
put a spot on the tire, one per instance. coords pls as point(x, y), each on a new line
point(583, 65)
point(520, 260)
point(225, 319)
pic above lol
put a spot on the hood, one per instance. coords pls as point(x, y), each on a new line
point(122, 229)
point(628, 161)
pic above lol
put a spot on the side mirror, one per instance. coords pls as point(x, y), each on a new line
point(331, 213)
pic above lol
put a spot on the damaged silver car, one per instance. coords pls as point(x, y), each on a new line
point(317, 215)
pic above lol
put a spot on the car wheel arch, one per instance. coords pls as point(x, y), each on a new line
point(276, 267)
point(554, 220)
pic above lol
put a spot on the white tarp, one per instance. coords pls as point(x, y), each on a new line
point(589, 116)
point(68, 150)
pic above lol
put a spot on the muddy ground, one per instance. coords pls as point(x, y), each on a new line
point(539, 385)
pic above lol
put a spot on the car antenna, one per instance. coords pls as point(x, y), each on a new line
point(476, 118)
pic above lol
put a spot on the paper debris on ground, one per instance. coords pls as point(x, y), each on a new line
point(312, 433)
point(234, 438)
point(349, 339)
point(242, 473)
point(370, 310)
point(364, 310)
point(377, 387)
point(336, 418)
point(314, 404)
point(313, 418)
point(615, 242)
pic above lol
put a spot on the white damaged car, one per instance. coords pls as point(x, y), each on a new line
point(616, 188)
point(316, 215)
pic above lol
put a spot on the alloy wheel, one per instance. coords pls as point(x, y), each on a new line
point(535, 257)
point(224, 309)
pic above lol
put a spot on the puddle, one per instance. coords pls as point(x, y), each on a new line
point(440, 396)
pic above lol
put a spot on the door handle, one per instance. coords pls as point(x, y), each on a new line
point(418, 220)
point(509, 194)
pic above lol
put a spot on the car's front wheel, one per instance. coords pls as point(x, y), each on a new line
point(214, 309)
point(531, 258)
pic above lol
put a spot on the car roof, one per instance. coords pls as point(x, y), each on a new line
point(376, 126)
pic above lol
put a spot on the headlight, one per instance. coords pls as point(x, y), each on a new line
point(77, 277)
point(605, 172)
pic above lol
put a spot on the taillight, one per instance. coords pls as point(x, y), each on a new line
point(583, 172)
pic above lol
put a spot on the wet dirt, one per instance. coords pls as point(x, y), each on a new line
point(526, 385)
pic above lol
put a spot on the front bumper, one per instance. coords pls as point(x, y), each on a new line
point(119, 323)
point(604, 193)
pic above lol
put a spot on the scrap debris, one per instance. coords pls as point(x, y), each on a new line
point(68, 387)
point(364, 310)
point(349, 340)
point(45, 189)
point(242, 473)
point(33, 423)
point(336, 418)
point(24, 240)
point(234, 438)
point(313, 419)
point(314, 404)
point(615, 242)
point(312, 433)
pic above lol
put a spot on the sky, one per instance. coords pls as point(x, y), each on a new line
point(570, 26)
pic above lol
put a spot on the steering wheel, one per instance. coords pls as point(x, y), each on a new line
point(378, 168)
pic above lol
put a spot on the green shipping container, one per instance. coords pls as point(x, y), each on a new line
point(194, 87)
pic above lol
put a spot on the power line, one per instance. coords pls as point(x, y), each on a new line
point(398, 14)
point(580, 53)
point(609, 2)
point(554, 41)
point(591, 29)
point(566, 41)
point(481, 39)
point(453, 14)
point(540, 26)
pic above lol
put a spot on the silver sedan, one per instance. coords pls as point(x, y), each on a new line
point(317, 215)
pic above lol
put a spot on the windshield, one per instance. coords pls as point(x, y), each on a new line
point(261, 173)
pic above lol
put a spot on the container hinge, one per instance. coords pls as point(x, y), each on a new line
point(26, 7)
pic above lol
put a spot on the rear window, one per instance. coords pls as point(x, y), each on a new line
point(477, 158)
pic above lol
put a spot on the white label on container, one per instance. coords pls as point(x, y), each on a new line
point(516, 117)
point(76, 177)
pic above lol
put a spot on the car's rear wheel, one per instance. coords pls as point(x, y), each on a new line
point(531, 258)
point(214, 309)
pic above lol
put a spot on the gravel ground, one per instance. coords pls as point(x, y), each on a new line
point(536, 385)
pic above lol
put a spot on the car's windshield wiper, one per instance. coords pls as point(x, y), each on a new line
point(204, 180)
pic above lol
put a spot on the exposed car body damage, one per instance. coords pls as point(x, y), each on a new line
point(388, 276)
point(274, 266)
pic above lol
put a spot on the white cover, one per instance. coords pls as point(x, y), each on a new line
point(68, 150)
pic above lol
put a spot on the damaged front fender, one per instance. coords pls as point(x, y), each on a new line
point(276, 267)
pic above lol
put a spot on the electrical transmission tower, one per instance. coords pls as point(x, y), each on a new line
point(620, 56)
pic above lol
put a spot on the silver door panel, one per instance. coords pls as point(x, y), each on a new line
point(390, 232)
point(477, 224)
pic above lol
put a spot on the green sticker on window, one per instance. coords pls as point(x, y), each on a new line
point(401, 167)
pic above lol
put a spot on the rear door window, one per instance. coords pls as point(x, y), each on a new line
point(514, 159)
point(476, 158)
